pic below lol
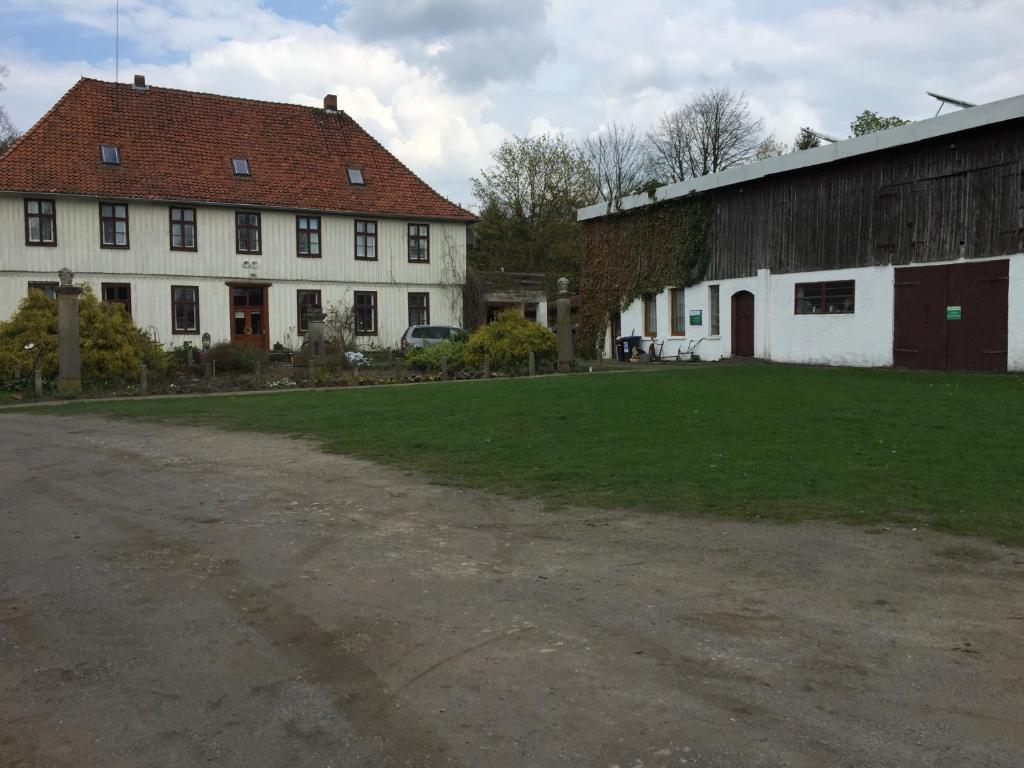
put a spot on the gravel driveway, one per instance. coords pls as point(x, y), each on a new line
point(175, 596)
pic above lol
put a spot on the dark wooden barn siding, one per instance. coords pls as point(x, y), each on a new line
point(960, 195)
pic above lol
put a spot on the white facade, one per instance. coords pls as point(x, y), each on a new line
point(863, 337)
point(151, 267)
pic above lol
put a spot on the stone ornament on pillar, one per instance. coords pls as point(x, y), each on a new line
point(69, 351)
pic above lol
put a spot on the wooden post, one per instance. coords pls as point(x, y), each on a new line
point(532, 369)
point(398, 369)
point(487, 366)
point(207, 370)
point(311, 372)
point(444, 368)
point(143, 380)
point(258, 374)
point(37, 379)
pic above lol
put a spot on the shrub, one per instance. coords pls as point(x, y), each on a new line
point(509, 341)
point(429, 358)
point(112, 347)
point(240, 358)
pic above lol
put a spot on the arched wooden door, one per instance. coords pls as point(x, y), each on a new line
point(743, 324)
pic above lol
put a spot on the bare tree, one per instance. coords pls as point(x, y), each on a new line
point(713, 132)
point(669, 141)
point(618, 161)
point(770, 147)
point(8, 133)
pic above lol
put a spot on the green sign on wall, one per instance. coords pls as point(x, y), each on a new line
point(952, 313)
point(696, 317)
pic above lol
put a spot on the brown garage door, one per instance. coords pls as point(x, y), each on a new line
point(952, 316)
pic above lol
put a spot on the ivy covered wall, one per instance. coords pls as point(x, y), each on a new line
point(639, 252)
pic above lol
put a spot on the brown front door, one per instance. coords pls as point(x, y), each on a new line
point(952, 316)
point(743, 324)
point(249, 318)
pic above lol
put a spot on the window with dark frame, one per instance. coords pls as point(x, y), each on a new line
point(306, 299)
point(419, 243)
point(40, 222)
point(110, 154)
point(113, 225)
point(183, 229)
point(678, 298)
point(117, 293)
point(419, 309)
point(366, 313)
point(651, 316)
point(713, 319)
point(49, 289)
point(247, 232)
point(240, 165)
point(307, 237)
point(826, 298)
point(366, 240)
point(184, 309)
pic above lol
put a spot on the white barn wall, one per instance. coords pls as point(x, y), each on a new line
point(151, 267)
point(862, 338)
point(1015, 337)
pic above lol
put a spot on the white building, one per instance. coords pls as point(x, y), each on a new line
point(903, 247)
point(208, 214)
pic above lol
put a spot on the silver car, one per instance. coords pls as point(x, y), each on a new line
point(431, 335)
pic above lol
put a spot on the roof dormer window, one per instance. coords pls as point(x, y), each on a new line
point(241, 166)
point(110, 154)
point(355, 176)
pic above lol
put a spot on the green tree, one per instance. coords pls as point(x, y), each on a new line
point(528, 200)
point(8, 133)
point(112, 347)
point(509, 340)
point(869, 122)
point(806, 139)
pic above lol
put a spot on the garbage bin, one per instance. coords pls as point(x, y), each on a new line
point(625, 346)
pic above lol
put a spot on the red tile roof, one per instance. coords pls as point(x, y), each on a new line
point(178, 145)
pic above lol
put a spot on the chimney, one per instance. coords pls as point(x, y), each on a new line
point(330, 103)
point(140, 83)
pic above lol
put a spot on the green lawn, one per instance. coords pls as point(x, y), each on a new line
point(870, 446)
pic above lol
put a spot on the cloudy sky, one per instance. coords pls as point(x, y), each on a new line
point(441, 82)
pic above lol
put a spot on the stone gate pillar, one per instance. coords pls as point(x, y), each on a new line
point(564, 326)
point(69, 350)
point(315, 331)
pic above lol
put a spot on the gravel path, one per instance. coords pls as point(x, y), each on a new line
point(173, 596)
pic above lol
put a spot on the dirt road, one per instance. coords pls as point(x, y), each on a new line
point(181, 597)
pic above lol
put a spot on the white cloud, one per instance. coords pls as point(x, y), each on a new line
point(441, 82)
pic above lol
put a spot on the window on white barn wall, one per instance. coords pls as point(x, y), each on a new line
point(678, 311)
point(831, 298)
point(713, 310)
point(651, 316)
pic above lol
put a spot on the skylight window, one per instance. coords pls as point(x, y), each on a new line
point(110, 154)
point(355, 176)
point(241, 166)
